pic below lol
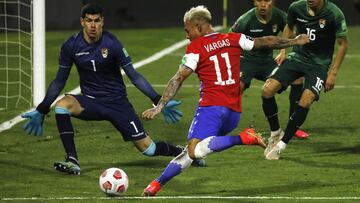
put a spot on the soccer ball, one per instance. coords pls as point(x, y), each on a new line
point(113, 182)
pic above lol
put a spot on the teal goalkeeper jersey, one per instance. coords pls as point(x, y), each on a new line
point(322, 29)
point(249, 24)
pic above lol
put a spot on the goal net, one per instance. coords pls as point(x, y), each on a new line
point(17, 57)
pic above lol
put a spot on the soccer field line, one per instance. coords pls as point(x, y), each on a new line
point(6, 125)
point(179, 197)
point(253, 86)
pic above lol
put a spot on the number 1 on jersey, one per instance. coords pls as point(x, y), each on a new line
point(219, 81)
point(93, 63)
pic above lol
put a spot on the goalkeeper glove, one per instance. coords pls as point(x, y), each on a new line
point(171, 114)
point(34, 125)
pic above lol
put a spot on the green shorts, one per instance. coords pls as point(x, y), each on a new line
point(290, 70)
point(258, 70)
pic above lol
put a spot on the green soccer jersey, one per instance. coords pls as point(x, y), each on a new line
point(249, 24)
point(322, 29)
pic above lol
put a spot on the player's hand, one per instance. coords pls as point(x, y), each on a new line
point(330, 82)
point(302, 39)
point(279, 59)
point(34, 124)
point(151, 113)
point(171, 114)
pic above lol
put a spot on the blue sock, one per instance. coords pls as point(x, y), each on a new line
point(220, 143)
point(172, 170)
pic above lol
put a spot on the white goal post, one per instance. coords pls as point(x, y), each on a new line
point(22, 53)
point(39, 55)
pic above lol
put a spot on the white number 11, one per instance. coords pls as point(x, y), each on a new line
point(219, 81)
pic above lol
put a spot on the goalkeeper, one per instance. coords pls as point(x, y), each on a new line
point(98, 56)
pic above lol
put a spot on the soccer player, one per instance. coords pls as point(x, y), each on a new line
point(98, 56)
point(215, 58)
point(324, 23)
point(264, 20)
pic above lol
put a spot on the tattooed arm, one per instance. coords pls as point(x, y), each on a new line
point(171, 89)
point(273, 42)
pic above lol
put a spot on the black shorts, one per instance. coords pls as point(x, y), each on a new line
point(258, 70)
point(121, 114)
point(314, 75)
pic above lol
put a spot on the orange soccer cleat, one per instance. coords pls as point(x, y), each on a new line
point(151, 190)
point(250, 137)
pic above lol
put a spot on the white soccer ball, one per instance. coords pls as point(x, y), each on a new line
point(113, 182)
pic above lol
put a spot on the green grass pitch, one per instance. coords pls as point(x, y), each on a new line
point(325, 165)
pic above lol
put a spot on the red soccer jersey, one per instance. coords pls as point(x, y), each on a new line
point(216, 60)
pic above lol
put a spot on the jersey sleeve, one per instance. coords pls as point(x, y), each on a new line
point(239, 25)
point(246, 42)
point(340, 23)
point(191, 57)
point(66, 56)
point(283, 20)
point(291, 20)
point(122, 57)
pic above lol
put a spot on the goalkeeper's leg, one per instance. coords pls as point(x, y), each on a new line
point(66, 131)
point(160, 148)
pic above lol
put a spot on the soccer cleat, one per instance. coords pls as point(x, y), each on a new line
point(199, 163)
point(151, 190)
point(301, 134)
point(67, 167)
point(275, 151)
point(275, 137)
point(250, 137)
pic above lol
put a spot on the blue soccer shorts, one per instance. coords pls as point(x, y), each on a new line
point(213, 121)
point(120, 113)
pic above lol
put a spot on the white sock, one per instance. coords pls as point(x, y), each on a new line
point(202, 148)
point(275, 133)
point(281, 144)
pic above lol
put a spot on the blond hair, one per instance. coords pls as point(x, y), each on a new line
point(199, 14)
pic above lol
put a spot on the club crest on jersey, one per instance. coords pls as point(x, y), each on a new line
point(274, 28)
point(322, 23)
point(104, 52)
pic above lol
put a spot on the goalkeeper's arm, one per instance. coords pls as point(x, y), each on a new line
point(54, 89)
point(141, 83)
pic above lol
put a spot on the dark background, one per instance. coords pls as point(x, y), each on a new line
point(65, 14)
point(162, 13)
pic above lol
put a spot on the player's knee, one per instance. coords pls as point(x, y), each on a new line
point(269, 90)
point(307, 99)
point(65, 102)
point(191, 152)
point(150, 150)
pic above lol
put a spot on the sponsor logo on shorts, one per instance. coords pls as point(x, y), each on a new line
point(137, 135)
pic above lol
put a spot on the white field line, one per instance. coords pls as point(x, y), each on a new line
point(10, 123)
point(252, 86)
point(352, 56)
point(179, 197)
